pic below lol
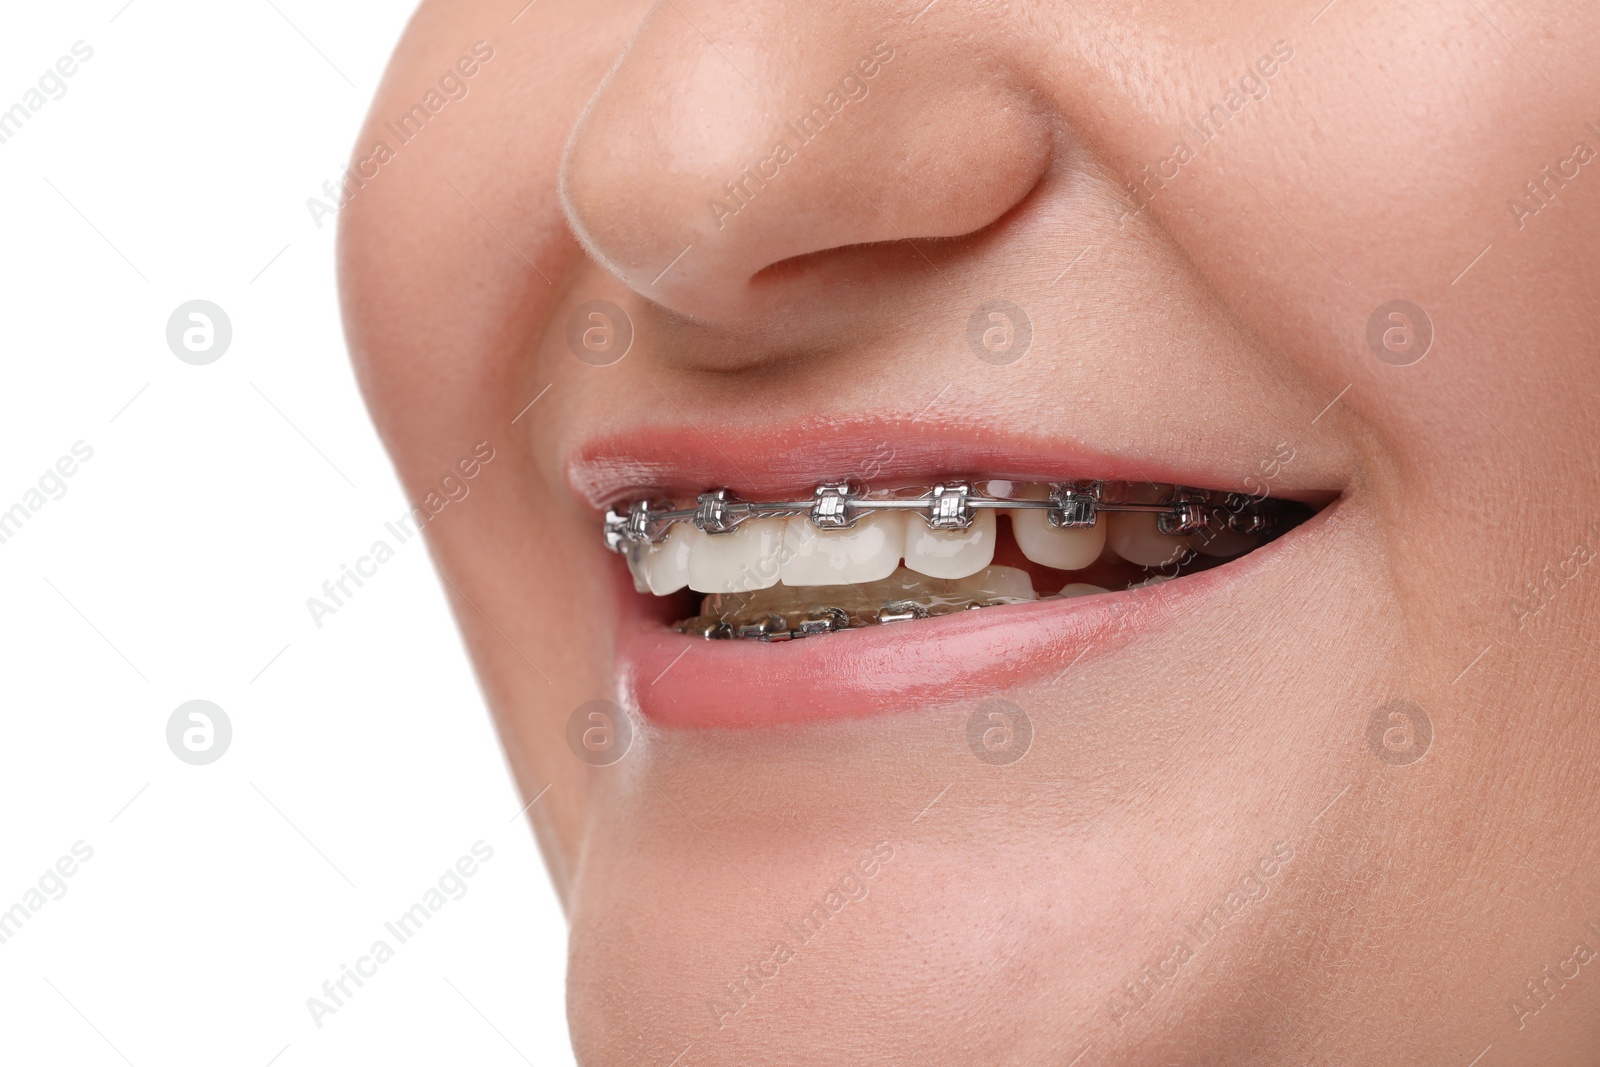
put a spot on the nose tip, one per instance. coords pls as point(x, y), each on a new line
point(711, 153)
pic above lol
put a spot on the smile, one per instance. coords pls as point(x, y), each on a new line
point(755, 583)
point(850, 556)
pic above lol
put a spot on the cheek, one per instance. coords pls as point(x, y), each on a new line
point(439, 308)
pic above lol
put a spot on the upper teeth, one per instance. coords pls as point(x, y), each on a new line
point(717, 549)
point(865, 552)
point(1043, 543)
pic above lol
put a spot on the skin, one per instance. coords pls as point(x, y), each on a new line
point(1226, 315)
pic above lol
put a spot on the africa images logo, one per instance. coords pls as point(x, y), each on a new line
point(806, 127)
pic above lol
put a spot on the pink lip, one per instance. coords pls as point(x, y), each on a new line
point(771, 462)
point(689, 682)
point(681, 681)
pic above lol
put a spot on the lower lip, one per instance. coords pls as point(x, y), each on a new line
point(689, 682)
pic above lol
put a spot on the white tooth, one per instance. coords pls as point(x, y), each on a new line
point(638, 557)
point(666, 566)
point(736, 562)
point(1133, 536)
point(951, 553)
point(1072, 589)
point(866, 552)
point(1012, 582)
point(1065, 550)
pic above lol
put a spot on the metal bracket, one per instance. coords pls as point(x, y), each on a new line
point(948, 506)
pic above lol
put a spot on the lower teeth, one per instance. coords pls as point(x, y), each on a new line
point(782, 613)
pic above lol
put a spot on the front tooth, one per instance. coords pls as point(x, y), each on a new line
point(1133, 536)
point(866, 552)
point(951, 553)
point(666, 566)
point(1050, 546)
point(1072, 589)
point(736, 562)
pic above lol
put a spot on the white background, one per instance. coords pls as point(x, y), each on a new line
point(177, 567)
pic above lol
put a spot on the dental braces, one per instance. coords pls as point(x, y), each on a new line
point(774, 626)
point(949, 506)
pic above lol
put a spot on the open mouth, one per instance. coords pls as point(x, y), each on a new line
point(954, 563)
point(852, 556)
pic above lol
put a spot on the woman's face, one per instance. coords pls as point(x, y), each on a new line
point(1328, 802)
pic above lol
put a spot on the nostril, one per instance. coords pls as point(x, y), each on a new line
point(923, 249)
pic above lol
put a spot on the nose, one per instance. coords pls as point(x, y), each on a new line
point(731, 137)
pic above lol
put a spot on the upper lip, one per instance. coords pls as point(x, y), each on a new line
point(773, 462)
